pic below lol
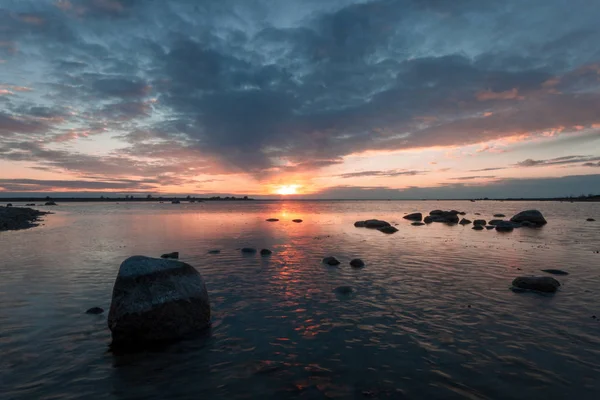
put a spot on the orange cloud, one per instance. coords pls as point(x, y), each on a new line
point(512, 94)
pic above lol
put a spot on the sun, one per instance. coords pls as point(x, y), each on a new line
point(286, 190)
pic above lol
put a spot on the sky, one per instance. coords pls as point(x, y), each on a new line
point(318, 99)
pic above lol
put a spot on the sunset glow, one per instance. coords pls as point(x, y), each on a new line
point(288, 190)
point(343, 98)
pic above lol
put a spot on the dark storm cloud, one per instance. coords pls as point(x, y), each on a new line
point(266, 87)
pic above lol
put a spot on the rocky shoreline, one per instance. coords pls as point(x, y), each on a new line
point(16, 218)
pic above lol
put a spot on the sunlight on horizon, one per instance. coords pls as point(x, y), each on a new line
point(286, 190)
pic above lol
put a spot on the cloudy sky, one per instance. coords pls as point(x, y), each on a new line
point(326, 98)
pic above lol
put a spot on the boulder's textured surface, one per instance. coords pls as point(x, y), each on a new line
point(357, 263)
point(331, 261)
point(157, 300)
point(533, 216)
point(414, 217)
point(540, 283)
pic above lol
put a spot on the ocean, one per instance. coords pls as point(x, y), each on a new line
point(432, 315)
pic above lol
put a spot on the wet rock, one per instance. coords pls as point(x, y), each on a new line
point(357, 263)
point(417, 224)
point(436, 212)
point(297, 221)
point(428, 219)
point(590, 220)
point(95, 310)
point(156, 300)
point(495, 221)
point(464, 221)
point(555, 271)
point(477, 214)
point(15, 218)
point(499, 216)
point(388, 229)
point(490, 227)
point(533, 216)
point(540, 283)
point(479, 222)
point(414, 217)
point(331, 261)
point(359, 224)
point(478, 227)
point(449, 217)
point(265, 252)
point(272, 220)
point(50, 203)
point(214, 251)
point(344, 290)
point(173, 255)
point(248, 250)
point(375, 224)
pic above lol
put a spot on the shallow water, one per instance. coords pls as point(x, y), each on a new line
point(432, 315)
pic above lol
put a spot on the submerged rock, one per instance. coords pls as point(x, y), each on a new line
point(357, 263)
point(417, 223)
point(173, 255)
point(555, 271)
point(95, 310)
point(540, 283)
point(590, 220)
point(272, 219)
point(414, 217)
point(388, 229)
point(297, 221)
point(344, 290)
point(533, 216)
point(249, 250)
point(479, 222)
point(214, 251)
point(265, 252)
point(478, 227)
point(504, 226)
point(490, 227)
point(464, 221)
point(499, 216)
point(156, 300)
point(331, 261)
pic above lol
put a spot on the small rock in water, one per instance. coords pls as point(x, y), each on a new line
point(545, 284)
point(214, 251)
point(50, 203)
point(499, 215)
point(272, 220)
point(428, 219)
point(297, 221)
point(248, 250)
point(504, 226)
point(555, 271)
point(477, 213)
point(479, 222)
point(495, 221)
point(478, 227)
point(344, 290)
point(417, 223)
point(265, 252)
point(95, 310)
point(359, 224)
point(376, 224)
point(173, 255)
point(331, 261)
point(414, 217)
point(464, 221)
point(533, 216)
point(590, 220)
point(490, 227)
point(388, 229)
point(357, 263)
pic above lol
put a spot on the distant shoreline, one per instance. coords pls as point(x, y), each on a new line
point(44, 199)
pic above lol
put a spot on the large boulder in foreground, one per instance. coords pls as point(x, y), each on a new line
point(156, 300)
point(533, 216)
point(540, 283)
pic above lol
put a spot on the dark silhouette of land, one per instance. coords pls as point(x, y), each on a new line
point(127, 198)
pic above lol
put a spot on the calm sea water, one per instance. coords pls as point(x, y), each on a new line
point(432, 316)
